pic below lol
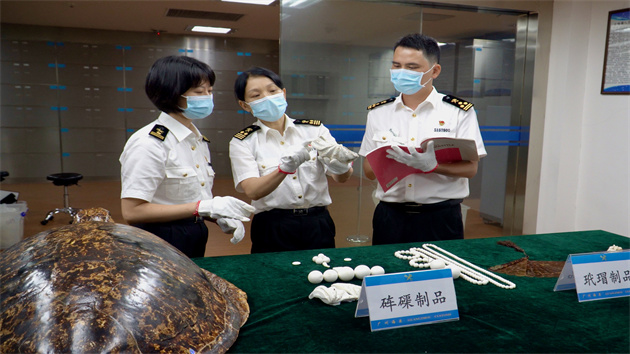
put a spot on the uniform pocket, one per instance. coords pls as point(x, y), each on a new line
point(386, 137)
point(181, 183)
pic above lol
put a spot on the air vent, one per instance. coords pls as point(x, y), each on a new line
point(204, 15)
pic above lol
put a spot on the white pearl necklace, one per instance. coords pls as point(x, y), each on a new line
point(422, 257)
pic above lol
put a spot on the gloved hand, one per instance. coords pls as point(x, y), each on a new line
point(293, 158)
point(334, 166)
point(224, 207)
point(333, 150)
point(423, 161)
point(233, 227)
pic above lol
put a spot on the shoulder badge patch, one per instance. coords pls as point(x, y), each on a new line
point(159, 132)
point(308, 121)
point(457, 102)
point(374, 105)
point(205, 139)
point(246, 132)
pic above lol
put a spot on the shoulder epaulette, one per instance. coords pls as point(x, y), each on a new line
point(159, 132)
point(308, 121)
point(246, 132)
point(205, 139)
point(374, 105)
point(457, 102)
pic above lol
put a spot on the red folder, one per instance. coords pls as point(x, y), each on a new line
point(447, 150)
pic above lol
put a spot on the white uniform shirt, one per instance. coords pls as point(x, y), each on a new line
point(176, 170)
point(396, 124)
point(259, 154)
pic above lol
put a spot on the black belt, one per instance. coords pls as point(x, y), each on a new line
point(411, 207)
point(190, 220)
point(299, 212)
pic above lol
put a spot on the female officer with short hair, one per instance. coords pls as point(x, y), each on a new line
point(273, 162)
point(166, 170)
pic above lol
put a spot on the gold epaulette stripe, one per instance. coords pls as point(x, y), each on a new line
point(374, 105)
point(159, 132)
point(458, 102)
point(308, 121)
point(246, 132)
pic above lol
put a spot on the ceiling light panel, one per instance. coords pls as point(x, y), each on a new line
point(208, 29)
point(252, 2)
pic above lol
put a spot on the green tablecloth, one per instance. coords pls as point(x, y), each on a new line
point(530, 318)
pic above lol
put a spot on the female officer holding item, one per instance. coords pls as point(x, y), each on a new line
point(166, 171)
point(281, 163)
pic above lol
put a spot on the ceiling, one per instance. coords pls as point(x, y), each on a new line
point(259, 22)
point(323, 21)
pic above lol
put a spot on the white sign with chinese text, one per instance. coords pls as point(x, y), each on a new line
point(596, 276)
point(408, 299)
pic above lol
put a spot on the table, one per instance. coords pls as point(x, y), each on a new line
point(531, 318)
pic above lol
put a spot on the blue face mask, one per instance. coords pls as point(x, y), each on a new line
point(269, 108)
point(408, 81)
point(199, 107)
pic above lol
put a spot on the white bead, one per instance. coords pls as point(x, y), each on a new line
point(330, 275)
point(345, 273)
point(455, 270)
point(315, 277)
point(437, 264)
point(361, 271)
point(296, 263)
point(377, 270)
point(319, 260)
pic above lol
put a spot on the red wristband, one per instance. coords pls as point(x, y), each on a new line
point(434, 168)
point(196, 213)
point(286, 173)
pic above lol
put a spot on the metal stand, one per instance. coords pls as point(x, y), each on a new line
point(358, 238)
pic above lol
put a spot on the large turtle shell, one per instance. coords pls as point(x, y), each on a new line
point(106, 287)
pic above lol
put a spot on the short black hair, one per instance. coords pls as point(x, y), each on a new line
point(170, 77)
point(425, 44)
point(241, 80)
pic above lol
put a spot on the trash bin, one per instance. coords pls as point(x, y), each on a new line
point(12, 223)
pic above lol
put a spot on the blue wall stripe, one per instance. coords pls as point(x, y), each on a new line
point(345, 126)
point(501, 136)
point(492, 135)
point(484, 127)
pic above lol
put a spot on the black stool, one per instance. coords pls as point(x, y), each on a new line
point(65, 180)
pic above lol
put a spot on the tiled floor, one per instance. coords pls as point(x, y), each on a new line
point(44, 196)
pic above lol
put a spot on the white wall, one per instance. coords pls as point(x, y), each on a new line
point(584, 178)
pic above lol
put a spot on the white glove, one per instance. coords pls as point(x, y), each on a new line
point(233, 227)
point(423, 161)
point(335, 294)
point(333, 150)
point(293, 158)
point(334, 166)
point(225, 207)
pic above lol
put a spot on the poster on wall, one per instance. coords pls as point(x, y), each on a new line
point(616, 76)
